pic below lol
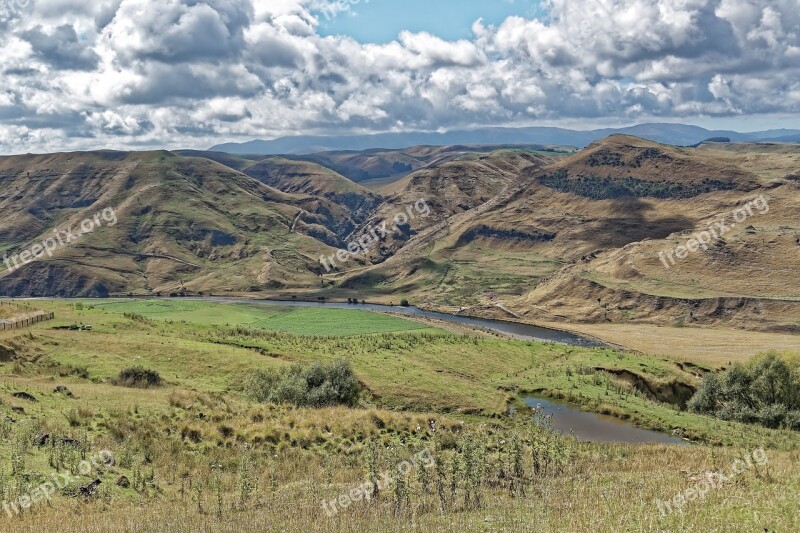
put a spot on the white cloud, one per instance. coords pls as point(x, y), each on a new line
point(123, 73)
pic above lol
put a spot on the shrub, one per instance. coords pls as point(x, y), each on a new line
point(318, 385)
point(404, 303)
point(765, 391)
point(139, 377)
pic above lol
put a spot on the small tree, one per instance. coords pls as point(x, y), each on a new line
point(318, 385)
point(763, 391)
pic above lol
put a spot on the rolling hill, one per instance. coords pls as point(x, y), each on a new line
point(515, 232)
point(579, 241)
point(182, 223)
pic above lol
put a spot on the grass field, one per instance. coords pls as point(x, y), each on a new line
point(297, 320)
point(200, 455)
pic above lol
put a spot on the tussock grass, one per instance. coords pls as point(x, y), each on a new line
point(198, 455)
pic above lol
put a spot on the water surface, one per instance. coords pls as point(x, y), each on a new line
point(593, 427)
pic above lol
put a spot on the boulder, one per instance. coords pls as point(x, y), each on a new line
point(24, 396)
point(61, 389)
point(90, 490)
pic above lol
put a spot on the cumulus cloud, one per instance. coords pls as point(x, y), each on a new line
point(61, 48)
point(131, 73)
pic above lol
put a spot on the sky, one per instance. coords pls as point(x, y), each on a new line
point(382, 21)
point(141, 74)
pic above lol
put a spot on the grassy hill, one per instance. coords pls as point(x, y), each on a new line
point(391, 165)
point(197, 452)
point(180, 222)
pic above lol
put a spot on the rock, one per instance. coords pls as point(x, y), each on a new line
point(19, 410)
point(90, 490)
point(41, 439)
point(123, 482)
point(10, 420)
point(24, 396)
point(65, 391)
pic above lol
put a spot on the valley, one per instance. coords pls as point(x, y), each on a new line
point(176, 326)
point(399, 266)
point(513, 232)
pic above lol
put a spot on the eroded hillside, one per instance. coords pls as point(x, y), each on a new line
point(520, 233)
point(580, 241)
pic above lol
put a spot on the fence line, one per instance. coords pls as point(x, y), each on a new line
point(26, 322)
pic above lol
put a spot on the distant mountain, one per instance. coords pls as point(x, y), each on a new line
point(795, 138)
point(674, 134)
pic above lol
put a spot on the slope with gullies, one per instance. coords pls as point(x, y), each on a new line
point(431, 198)
point(579, 241)
point(181, 223)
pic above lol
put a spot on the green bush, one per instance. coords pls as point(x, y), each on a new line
point(318, 385)
point(139, 377)
point(765, 391)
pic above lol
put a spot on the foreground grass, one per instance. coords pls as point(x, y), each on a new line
point(201, 456)
point(212, 481)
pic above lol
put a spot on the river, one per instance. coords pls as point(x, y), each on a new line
point(511, 329)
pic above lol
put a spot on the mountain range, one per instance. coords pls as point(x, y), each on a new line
point(666, 133)
point(534, 233)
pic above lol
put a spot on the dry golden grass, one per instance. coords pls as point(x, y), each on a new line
point(608, 489)
point(771, 161)
point(716, 346)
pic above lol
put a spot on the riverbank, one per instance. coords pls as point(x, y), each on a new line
point(713, 346)
point(406, 366)
point(511, 329)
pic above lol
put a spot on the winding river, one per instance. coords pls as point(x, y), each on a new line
point(564, 418)
point(511, 329)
